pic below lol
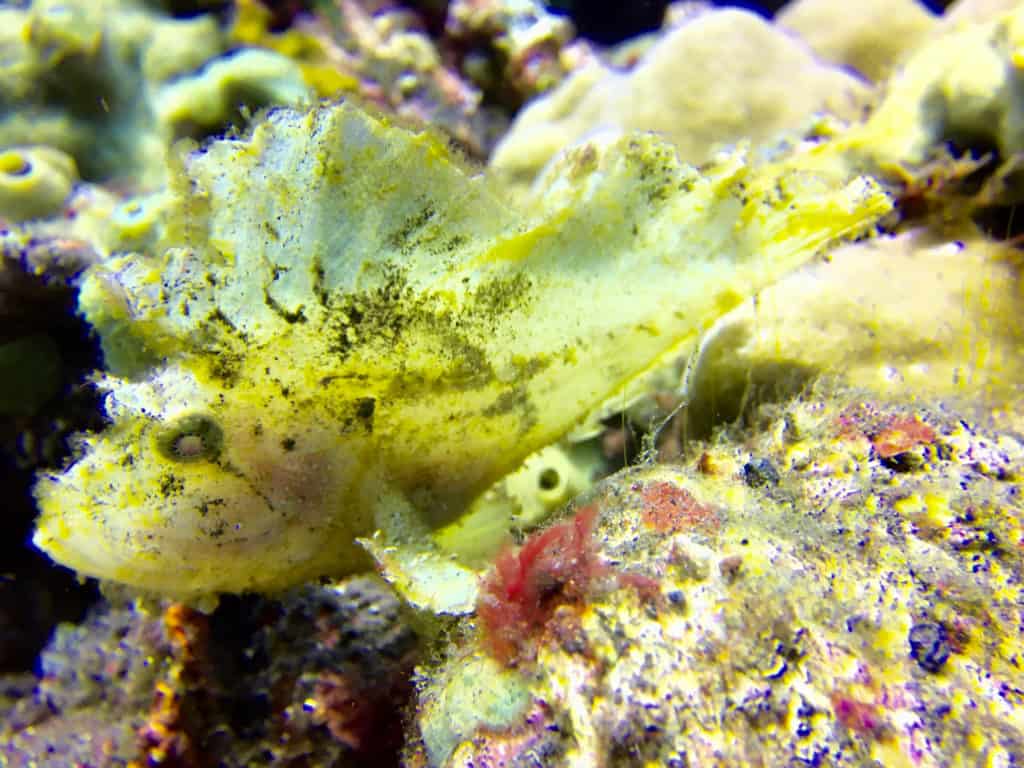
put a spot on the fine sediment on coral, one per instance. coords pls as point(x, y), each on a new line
point(842, 585)
point(915, 312)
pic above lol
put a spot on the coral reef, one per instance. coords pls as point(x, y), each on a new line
point(103, 82)
point(872, 38)
point(911, 312)
point(513, 50)
point(97, 681)
point(462, 67)
point(714, 79)
point(842, 585)
point(329, 343)
point(958, 87)
point(316, 679)
point(34, 182)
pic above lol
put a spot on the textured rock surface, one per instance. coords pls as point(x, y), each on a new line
point(719, 77)
point(872, 37)
point(844, 585)
point(317, 678)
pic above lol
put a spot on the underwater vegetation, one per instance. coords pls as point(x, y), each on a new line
point(553, 566)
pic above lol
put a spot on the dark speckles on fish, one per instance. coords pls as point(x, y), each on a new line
point(344, 334)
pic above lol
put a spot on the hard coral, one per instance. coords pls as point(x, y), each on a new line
point(552, 567)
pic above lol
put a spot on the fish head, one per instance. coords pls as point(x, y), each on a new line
point(193, 483)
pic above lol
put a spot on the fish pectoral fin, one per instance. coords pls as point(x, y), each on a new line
point(426, 577)
point(409, 559)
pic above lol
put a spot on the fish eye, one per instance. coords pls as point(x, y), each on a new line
point(195, 437)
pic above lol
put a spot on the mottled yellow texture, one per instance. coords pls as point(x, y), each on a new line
point(342, 326)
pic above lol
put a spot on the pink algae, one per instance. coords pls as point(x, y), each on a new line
point(858, 716)
point(667, 508)
point(553, 567)
point(900, 435)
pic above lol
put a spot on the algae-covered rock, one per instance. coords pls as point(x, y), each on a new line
point(98, 681)
point(319, 347)
point(113, 83)
point(144, 683)
point(475, 694)
point(958, 87)
point(842, 584)
point(872, 37)
point(962, 86)
point(253, 78)
point(522, 45)
point(385, 56)
point(915, 312)
point(719, 77)
point(179, 47)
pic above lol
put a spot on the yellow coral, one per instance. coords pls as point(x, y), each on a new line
point(34, 182)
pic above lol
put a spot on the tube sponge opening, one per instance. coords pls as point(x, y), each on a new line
point(34, 182)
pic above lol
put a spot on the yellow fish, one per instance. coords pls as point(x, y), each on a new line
point(343, 335)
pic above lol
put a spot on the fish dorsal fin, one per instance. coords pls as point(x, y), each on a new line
point(266, 229)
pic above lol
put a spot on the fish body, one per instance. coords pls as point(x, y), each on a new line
point(340, 320)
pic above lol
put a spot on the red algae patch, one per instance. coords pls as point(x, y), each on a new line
point(553, 567)
point(667, 508)
point(858, 716)
point(901, 435)
point(889, 434)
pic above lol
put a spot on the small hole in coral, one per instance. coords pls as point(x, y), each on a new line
point(14, 164)
point(189, 446)
point(549, 479)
